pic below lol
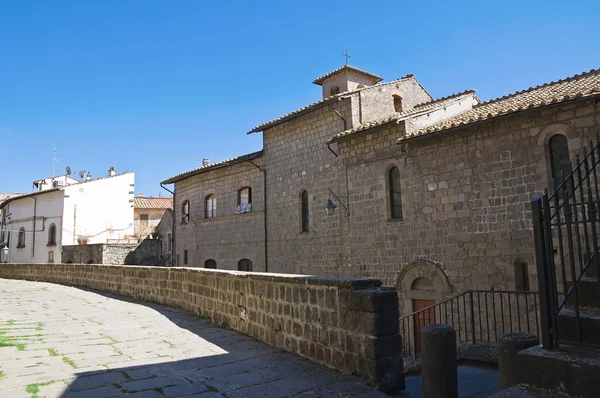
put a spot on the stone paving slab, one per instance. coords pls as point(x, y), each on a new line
point(78, 343)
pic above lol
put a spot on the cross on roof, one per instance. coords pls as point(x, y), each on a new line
point(347, 56)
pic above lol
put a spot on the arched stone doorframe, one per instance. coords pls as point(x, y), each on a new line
point(421, 269)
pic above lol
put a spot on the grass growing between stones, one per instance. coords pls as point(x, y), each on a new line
point(5, 341)
point(39, 326)
point(52, 352)
point(11, 322)
point(70, 362)
point(34, 388)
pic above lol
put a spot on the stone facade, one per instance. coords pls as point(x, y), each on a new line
point(147, 252)
point(465, 192)
point(348, 324)
point(165, 235)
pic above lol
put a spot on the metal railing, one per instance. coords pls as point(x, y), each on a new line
point(478, 316)
point(566, 227)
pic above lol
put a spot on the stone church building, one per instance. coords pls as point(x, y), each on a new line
point(432, 195)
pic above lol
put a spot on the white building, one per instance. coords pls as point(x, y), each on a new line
point(35, 226)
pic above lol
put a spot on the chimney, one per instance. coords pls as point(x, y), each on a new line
point(111, 172)
point(141, 195)
point(88, 176)
point(205, 162)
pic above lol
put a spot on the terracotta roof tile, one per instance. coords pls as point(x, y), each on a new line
point(150, 202)
point(578, 86)
point(320, 79)
point(424, 107)
point(212, 166)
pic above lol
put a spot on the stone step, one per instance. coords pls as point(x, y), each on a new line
point(568, 372)
point(526, 392)
point(590, 326)
point(588, 294)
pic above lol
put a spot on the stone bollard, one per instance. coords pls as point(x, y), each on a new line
point(438, 362)
point(510, 344)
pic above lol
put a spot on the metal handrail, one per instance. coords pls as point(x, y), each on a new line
point(478, 316)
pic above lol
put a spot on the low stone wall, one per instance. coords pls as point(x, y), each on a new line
point(348, 324)
point(147, 252)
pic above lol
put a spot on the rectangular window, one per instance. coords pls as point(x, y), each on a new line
point(185, 257)
point(177, 260)
point(51, 256)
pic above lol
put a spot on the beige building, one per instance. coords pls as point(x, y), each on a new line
point(147, 213)
point(432, 195)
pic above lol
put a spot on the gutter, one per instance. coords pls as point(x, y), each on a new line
point(172, 226)
point(264, 213)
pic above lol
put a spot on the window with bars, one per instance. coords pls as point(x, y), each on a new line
point(395, 193)
point(245, 265)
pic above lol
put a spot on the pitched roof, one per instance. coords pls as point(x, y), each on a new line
point(349, 68)
point(4, 196)
point(582, 85)
point(318, 104)
point(424, 107)
point(150, 202)
point(212, 166)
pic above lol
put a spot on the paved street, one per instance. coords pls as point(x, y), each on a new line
point(59, 341)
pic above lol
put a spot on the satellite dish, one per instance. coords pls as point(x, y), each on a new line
point(68, 171)
point(81, 174)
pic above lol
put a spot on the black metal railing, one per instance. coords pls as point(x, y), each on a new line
point(566, 228)
point(478, 316)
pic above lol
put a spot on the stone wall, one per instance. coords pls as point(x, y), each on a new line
point(228, 237)
point(348, 324)
point(147, 252)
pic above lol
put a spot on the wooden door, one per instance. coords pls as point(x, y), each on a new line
point(422, 319)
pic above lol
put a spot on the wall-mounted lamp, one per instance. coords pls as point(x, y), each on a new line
point(184, 222)
point(330, 206)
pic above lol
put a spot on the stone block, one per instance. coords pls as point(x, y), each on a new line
point(369, 300)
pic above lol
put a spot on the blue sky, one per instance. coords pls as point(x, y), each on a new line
point(187, 79)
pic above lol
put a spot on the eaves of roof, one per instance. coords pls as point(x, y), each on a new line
point(580, 86)
point(212, 166)
point(28, 195)
point(320, 79)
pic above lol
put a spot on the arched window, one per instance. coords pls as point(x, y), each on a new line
point(397, 103)
point(52, 235)
point(395, 193)
point(21, 239)
point(521, 276)
point(304, 210)
point(210, 264)
point(245, 265)
point(559, 157)
point(244, 200)
point(210, 206)
point(185, 210)
point(334, 90)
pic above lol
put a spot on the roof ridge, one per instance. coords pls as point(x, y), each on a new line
point(446, 97)
point(347, 66)
point(577, 76)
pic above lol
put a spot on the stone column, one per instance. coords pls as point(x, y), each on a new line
point(438, 362)
point(510, 344)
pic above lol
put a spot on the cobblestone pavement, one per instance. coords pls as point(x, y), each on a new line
point(60, 341)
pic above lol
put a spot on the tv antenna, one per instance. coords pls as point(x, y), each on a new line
point(54, 159)
point(68, 170)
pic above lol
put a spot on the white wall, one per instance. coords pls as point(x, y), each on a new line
point(99, 209)
point(48, 210)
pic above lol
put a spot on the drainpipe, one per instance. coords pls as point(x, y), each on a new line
point(173, 230)
point(264, 213)
point(33, 244)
